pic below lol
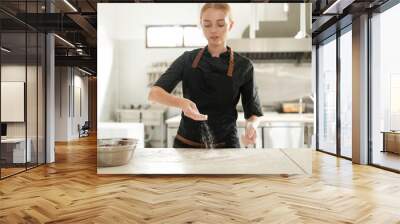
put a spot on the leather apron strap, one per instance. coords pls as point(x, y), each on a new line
point(195, 144)
point(230, 66)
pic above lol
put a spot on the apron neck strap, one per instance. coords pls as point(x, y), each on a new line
point(230, 66)
point(197, 58)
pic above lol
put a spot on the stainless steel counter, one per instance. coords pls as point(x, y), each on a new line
point(275, 130)
point(266, 120)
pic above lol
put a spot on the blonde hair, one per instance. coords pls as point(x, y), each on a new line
point(221, 6)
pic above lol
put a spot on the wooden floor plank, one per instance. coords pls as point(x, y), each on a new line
point(70, 191)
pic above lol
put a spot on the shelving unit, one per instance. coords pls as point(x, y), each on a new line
point(156, 70)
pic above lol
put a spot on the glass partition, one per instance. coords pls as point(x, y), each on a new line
point(14, 153)
point(41, 111)
point(346, 93)
point(31, 100)
point(23, 91)
point(327, 96)
point(385, 89)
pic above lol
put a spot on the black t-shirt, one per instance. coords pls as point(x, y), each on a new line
point(213, 91)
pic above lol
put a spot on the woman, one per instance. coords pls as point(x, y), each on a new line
point(213, 79)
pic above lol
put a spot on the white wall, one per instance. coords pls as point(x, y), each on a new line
point(134, 63)
point(123, 59)
point(80, 82)
point(282, 81)
point(15, 73)
point(131, 19)
point(61, 103)
point(107, 69)
point(66, 120)
point(12, 73)
point(33, 126)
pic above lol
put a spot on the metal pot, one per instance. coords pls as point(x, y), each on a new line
point(115, 152)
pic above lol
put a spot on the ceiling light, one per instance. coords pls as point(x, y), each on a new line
point(338, 6)
point(70, 5)
point(84, 71)
point(285, 7)
point(64, 40)
point(5, 50)
point(333, 6)
point(300, 35)
point(302, 31)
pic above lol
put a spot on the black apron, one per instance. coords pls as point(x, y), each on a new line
point(214, 96)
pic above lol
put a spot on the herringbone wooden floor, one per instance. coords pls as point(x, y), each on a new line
point(70, 191)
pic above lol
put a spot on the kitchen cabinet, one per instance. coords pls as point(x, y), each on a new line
point(13, 150)
point(128, 115)
point(308, 134)
point(284, 135)
point(275, 130)
point(171, 132)
point(391, 141)
point(153, 120)
point(241, 131)
point(155, 128)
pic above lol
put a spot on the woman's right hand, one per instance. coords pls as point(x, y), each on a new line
point(190, 110)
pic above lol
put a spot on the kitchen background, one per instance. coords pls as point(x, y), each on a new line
point(136, 46)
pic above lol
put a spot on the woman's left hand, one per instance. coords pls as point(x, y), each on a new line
point(250, 135)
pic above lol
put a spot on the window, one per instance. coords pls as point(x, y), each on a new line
point(22, 77)
point(346, 94)
point(385, 89)
point(394, 102)
point(164, 36)
point(174, 36)
point(193, 37)
point(327, 96)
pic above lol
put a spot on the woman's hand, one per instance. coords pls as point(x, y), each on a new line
point(250, 135)
point(190, 110)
